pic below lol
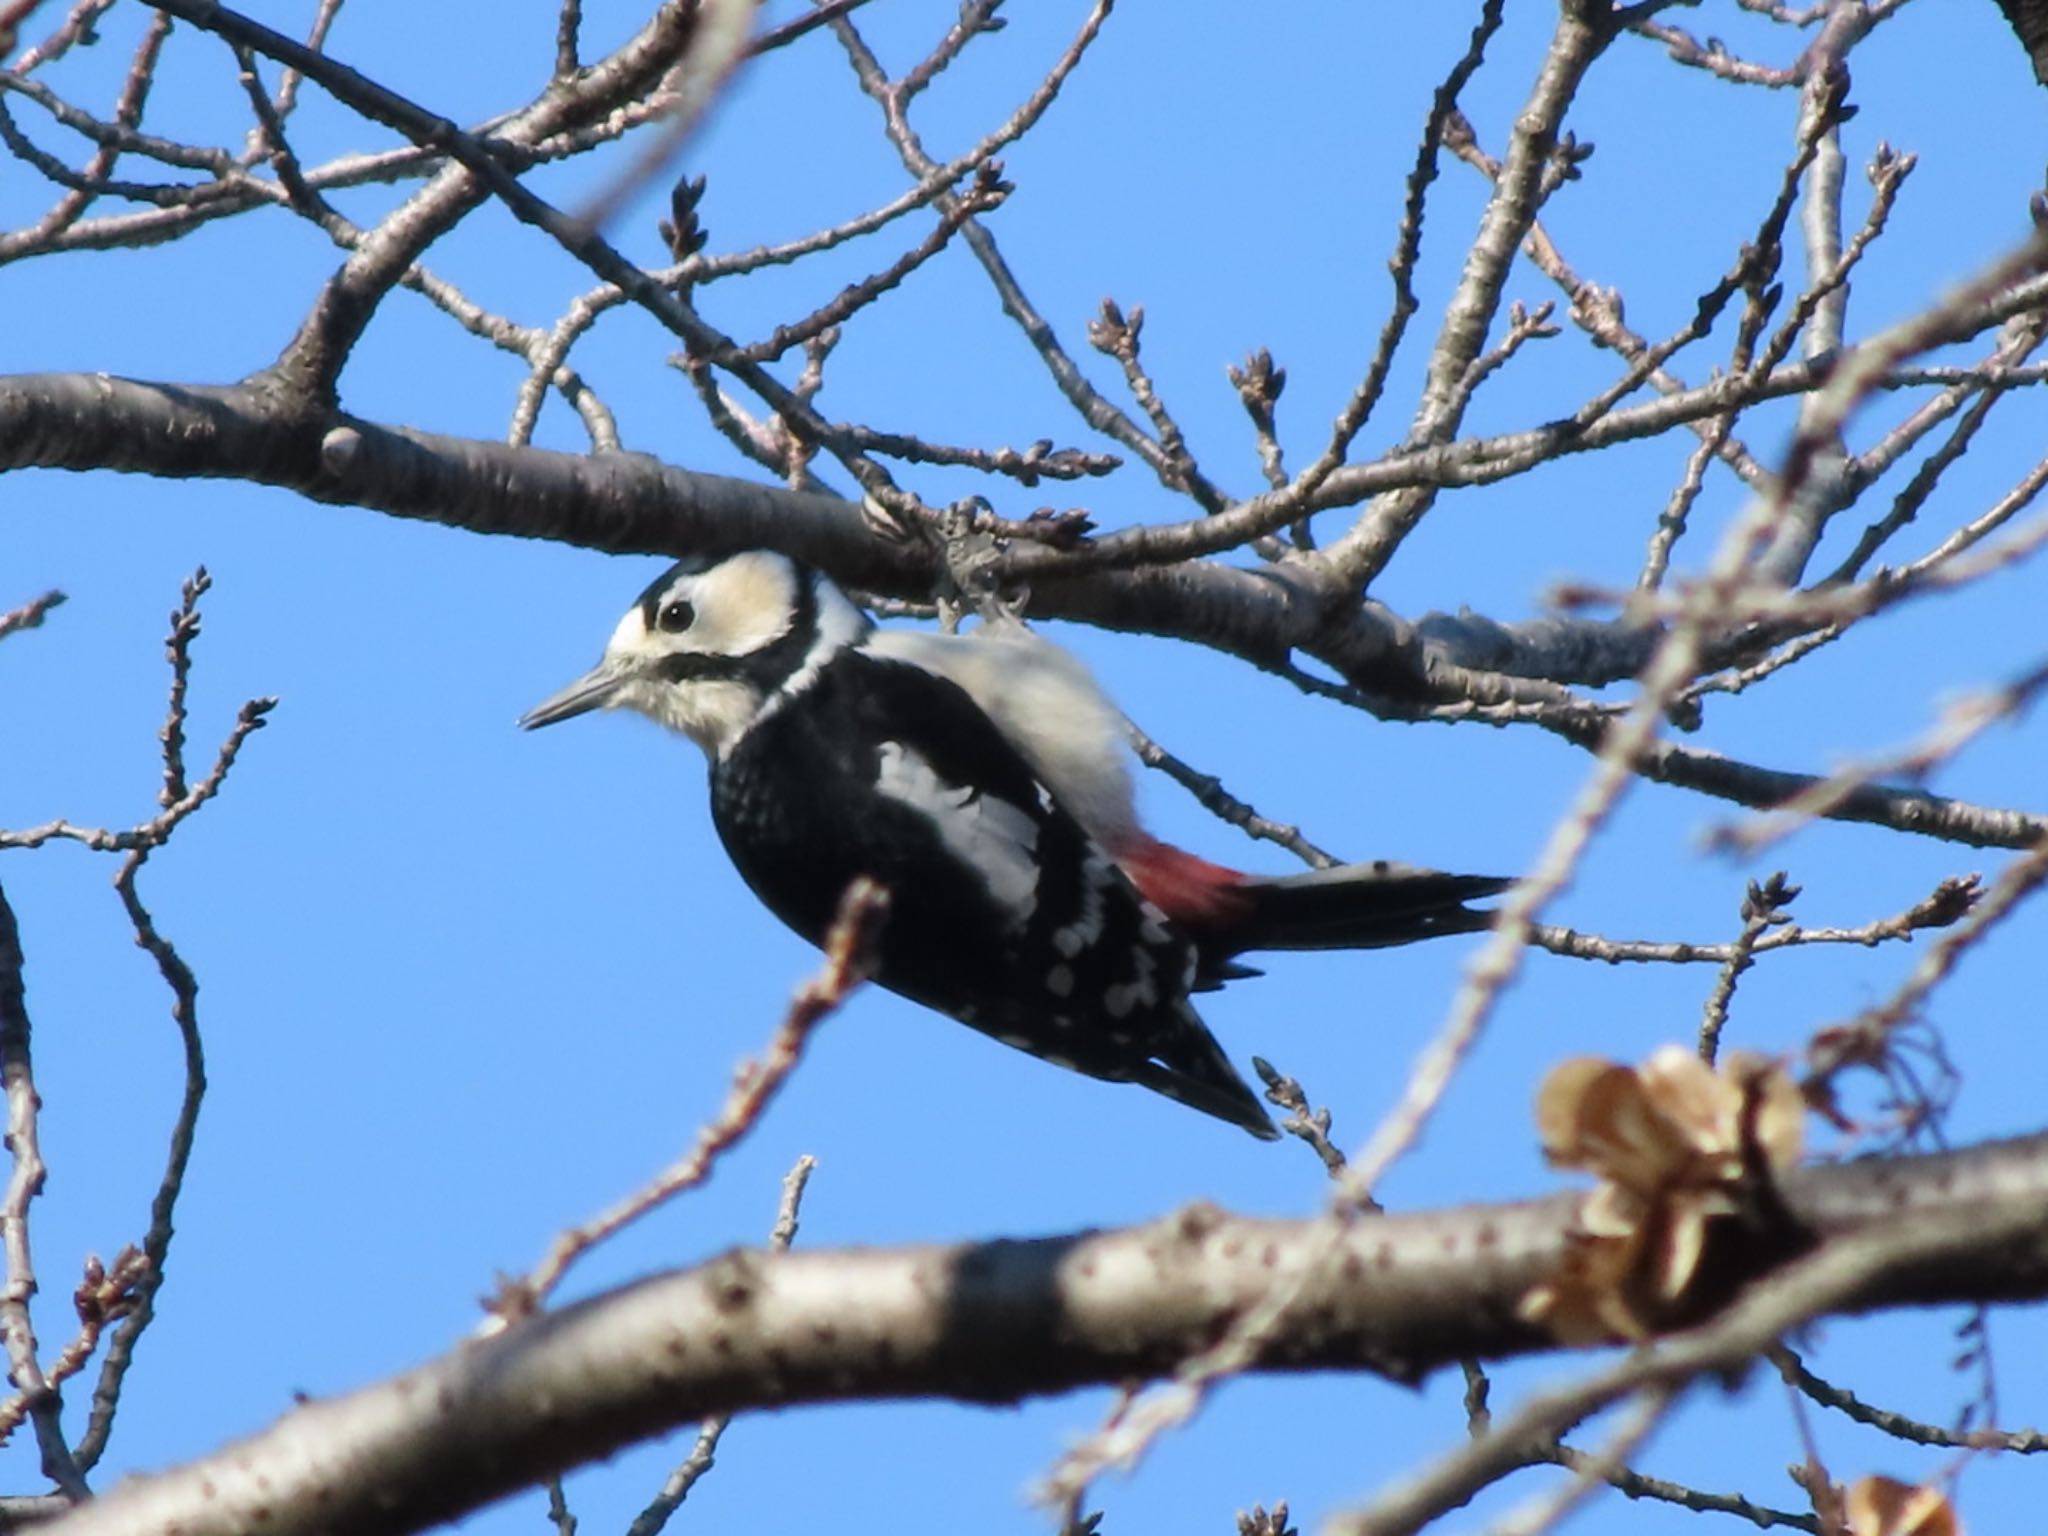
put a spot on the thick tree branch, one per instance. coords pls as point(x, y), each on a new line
point(2029, 19)
point(996, 1322)
point(632, 503)
point(629, 503)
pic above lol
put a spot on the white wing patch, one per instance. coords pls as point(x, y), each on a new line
point(1048, 705)
point(997, 840)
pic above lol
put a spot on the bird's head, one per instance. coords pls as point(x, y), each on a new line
point(711, 643)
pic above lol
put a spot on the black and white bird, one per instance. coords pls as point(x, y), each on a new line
point(983, 780)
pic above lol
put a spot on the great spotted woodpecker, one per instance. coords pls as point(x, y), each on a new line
point(983, 781)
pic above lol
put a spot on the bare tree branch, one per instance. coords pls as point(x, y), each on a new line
point(24, 1183)
point(998, 1321)
point(849, 950)
point(691, 1471)
point(30, 614)
point(1625, 667)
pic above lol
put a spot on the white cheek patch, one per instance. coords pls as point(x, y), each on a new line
point(741, 605)
point(714, 714)
point(997, 840)
point(629, 636)
point(737, 608)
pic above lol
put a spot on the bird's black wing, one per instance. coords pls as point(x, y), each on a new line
point(1004, 913)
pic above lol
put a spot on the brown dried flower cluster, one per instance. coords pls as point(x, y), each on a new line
point(1672, 1142)
point(1884, 1506)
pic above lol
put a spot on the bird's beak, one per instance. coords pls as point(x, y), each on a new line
point(595, 689)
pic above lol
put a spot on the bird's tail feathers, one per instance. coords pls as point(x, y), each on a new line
point(1360, 906)
point(1194, 1070)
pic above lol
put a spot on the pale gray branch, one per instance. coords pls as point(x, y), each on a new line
point(1001, 1321)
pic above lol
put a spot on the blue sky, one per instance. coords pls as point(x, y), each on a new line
point(463, 986)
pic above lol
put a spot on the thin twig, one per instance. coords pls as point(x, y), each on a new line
point(128, 1294)
point(1763, 908)
point(1219, 802)
point(1988, 386)
point(30, 614)
point(849, 949)
point(558, 1509)
point(984, 196)
point(1631, 1484)
point(1098, 412)
point(178, 802)
point(1040, 461)
point(1946, 904)
point(716, 48)
point(1963, 721)
point(78, 25)
point(568, 33)
point(156, 1241)
point(178, 648)
point(155, 832)
point(103, 1296)
point(976, 17)
point(24, 1183)
point(1898, 1425)
point(703, 1454)
point(2019, 879)
point(1304, 1121)
point(287, 97)
point(782, 36)
point(1589, 1469)
point(1118, 334)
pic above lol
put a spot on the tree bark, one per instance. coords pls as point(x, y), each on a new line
point(1001, 1321)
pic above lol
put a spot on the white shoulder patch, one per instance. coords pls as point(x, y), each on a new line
point(1048, 706)
point(840, 624)
point(996, 839)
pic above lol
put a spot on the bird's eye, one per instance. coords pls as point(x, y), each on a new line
point(676, 616)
